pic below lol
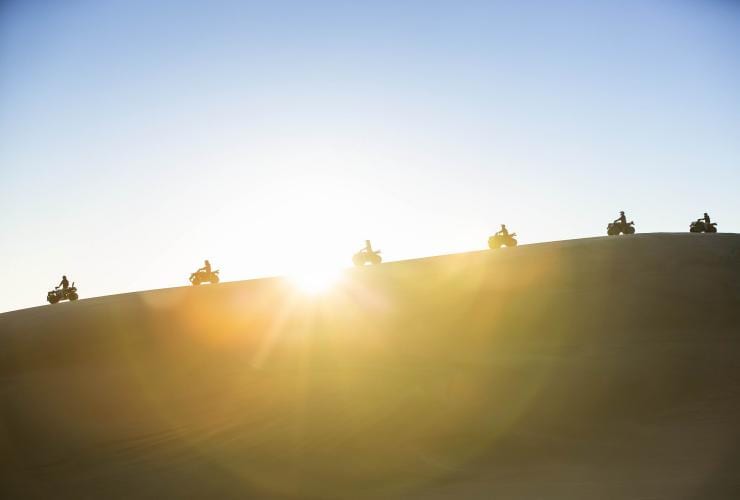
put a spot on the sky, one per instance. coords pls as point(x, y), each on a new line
point(138, 138)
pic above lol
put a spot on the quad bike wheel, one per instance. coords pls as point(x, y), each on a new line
point(629, 230)
point(73, 296)
point(53, 299)
point(712, 229)
point(196, 281)
point(512, 243)
point(214, 279)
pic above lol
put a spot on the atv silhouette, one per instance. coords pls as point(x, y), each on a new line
point(499, 240)
point(70, 293)
point(199, 277)
point(367, 256)
point(616, 228)
point(699, 226)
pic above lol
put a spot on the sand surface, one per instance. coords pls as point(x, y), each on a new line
point(603, 368)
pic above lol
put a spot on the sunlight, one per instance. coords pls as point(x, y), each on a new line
point(315, 280)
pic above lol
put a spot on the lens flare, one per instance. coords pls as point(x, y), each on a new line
point(315, 281)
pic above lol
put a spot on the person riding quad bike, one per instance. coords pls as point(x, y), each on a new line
point(620, 226)
point(206, 268)
point(367, 256)
point(622, 219)
point(502, 237)
point(204, 275)
point(62, 292)
point(703, 225)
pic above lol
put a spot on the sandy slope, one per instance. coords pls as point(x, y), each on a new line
point(604, 368)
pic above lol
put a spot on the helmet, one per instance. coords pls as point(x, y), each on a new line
point(621, 212)
point(64, 277)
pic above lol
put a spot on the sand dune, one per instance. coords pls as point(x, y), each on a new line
point(603, 368)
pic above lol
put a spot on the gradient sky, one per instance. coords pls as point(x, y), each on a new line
point(138, 137)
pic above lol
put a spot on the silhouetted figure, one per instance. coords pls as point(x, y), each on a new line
point(620, 226)
point(703, 225)
point(66, 292)
point(206, 268)
point(502, 237)
point(367, 255)
point(204, 275)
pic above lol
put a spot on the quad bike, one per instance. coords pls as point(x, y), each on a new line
point(70, 293)
point(699, 226)
point(616, 228)
point(199, 277)
point(365, 257)
point(499, 240)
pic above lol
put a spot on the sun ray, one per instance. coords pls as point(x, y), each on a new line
point(315, 281)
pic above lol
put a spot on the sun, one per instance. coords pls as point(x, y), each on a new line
point(315, 281)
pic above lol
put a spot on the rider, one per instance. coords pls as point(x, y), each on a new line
point(206, 268)
point(622, 219)
point(503, 232)
point(368, 247)
point(707, 220)
point(64, 283)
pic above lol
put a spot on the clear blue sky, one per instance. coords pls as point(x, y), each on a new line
point(138, 137)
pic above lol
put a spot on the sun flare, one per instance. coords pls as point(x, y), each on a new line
point(315, 281)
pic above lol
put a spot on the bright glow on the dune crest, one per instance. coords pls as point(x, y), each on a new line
point(315, 280)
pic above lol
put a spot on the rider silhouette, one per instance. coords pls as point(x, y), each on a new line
point(206, 267)
point(64, 283)
point(368, 247)
point(622, 219)
point(503, 231)
point(707, 220)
